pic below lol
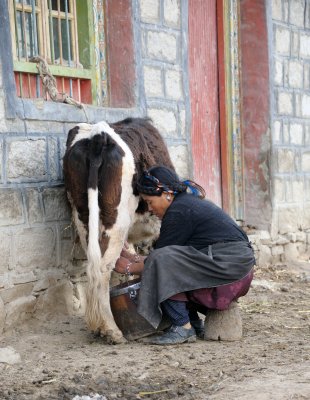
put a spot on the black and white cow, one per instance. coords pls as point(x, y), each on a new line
point(101, 166)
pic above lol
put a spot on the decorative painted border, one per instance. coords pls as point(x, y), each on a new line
point(233, 107)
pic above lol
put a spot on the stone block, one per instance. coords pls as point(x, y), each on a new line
point(11, 210)
point(301, 236)
point(149, 11)
point(304, 46)
point(67, 252)
point(172, 12)
point(297, 190)
point(307, 134)
point(281, 240)
point(277, 10)
point(55, 302)
point(288, 220)
point(42, 284)
point(298, 112)
point(62, 150)
point(282, 41)
point(278, 73)
point(2, 315)
point(296, 134)
point(307, 76)
point(285, 103)
point(183, 123)
point(18, 311)
point(291, 252)
point(53, 159)
point(11, 294)
point(34, 205)
point(295, 44)
point(286, 160)
point(162, 46)
point(297, 11)
point(5, 251)
point(279, 190)
point(286, 133)
point(305, 105)
point(264, 237)
point(35, 248)
point(56, 206)
point(164, 120)
point(179, 157)
point(224, 325)
point(264, 256)
point(3, 124)
point(305, 220)
point(153, 82)
point(295, 74)
point(24, 277)
point(173, 84)
point(27, 160)
point(277, 250)
point(36, 126)
point(305, 162)
point(277, 131)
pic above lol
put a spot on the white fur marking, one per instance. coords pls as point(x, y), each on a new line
point(85, 132)
point(93, 251)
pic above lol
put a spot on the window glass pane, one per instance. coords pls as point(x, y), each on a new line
point(29, 33)
point(66, 42)
point(56, 41)
point(54, 5)
point(62, 5)
point(21, 51)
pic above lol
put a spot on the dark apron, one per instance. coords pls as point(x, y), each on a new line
point(177, 269)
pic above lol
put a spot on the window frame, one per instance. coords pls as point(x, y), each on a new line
point(126, 73)
point(88, 72)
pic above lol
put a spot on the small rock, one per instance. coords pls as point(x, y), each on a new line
point(9, 355)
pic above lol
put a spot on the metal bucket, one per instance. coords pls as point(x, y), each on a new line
point(123, 300)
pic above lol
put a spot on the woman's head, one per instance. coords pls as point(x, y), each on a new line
point(159, 179)
point(159, 185)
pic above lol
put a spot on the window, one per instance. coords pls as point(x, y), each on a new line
point(62, 33)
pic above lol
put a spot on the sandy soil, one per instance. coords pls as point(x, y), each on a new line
point(63, 360)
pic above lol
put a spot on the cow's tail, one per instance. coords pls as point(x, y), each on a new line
point(93, 312)
point(97, 146)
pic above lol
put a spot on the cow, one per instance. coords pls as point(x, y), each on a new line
point(101, 165)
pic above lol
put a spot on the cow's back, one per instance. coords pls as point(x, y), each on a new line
point(145, 142)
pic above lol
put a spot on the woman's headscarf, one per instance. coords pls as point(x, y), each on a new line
point(159, 179)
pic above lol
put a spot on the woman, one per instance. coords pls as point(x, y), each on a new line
point(202, 259)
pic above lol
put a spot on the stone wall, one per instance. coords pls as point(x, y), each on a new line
point(41, 268)
point(289, 42)
point(164, 51)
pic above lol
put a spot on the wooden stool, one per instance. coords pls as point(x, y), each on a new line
point(224, 325)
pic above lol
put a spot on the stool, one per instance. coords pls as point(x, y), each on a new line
point(224, 325)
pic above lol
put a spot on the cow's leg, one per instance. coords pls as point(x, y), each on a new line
point(98, 305)
point(98, 313)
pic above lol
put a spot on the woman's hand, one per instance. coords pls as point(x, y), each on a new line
point(121, 265)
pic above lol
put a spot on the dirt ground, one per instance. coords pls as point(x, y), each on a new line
point(272, 361)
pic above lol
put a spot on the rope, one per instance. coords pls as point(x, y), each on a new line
point(49, 84)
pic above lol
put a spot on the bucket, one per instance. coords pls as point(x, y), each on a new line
point(123, 300)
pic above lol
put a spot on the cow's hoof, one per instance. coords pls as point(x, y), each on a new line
point(114, 338)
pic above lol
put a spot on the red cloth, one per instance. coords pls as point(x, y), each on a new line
point(220, 297)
